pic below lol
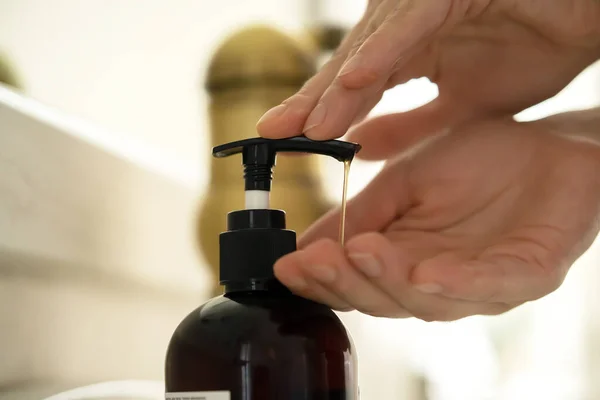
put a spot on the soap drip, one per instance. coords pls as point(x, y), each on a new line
point(342, 233)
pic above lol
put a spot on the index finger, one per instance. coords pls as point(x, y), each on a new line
point(287, 119)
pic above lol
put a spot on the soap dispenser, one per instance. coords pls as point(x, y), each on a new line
point(259, 341)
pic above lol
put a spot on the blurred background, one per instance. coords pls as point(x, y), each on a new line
point(110, 205)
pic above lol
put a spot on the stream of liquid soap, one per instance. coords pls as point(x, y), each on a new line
point(342, 233)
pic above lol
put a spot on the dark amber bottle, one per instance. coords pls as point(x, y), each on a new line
point(259, 341)
point(262, 343)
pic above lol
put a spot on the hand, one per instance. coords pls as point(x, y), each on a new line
point(473, 221)
point(487, 57)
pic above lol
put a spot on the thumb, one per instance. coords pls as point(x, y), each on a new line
point(385, 136)
point(387, 196)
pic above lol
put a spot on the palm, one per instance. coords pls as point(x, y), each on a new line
point(495, 212)
point(499, 190)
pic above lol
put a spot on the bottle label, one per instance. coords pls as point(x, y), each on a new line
point(220, 395)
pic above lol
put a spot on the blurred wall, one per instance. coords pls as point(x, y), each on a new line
point(134, 67)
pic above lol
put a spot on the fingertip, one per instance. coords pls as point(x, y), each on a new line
point(323, 251)
point(289, 272)
point(268, 124)
point(330, 127)
point(286, 119)
point(269, 130)
point(315, 118)
point(309, 273)
point(320, 134)
point(334, 114)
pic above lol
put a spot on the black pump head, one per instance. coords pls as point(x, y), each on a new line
point(257, 237)
point(258, 155)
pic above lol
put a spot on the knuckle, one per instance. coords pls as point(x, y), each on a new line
point(443, 316)
point(381, 309)
point(425, 315)
point(434, 312)
point(377, 314)
point(499, 308)
point(343, 307)
point(380, 313)
point(551, 275)
point(369, 310)
point(554, 278)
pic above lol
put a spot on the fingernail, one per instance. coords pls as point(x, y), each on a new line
point(323, 273)
point(316, 117)
point(429, 288)
point(351, 65)
point(367, 264)
point(272, 113)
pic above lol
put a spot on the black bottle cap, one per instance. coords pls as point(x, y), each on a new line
point(256, 238)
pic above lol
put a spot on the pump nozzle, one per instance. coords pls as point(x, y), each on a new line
point(259, 154)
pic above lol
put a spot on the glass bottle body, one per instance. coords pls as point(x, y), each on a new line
point(262, 345)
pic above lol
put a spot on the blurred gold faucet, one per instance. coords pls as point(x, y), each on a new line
point(253, 70)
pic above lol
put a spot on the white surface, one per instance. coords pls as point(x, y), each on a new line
point(135, 390)
point(221, 395)
point(98, 260)
point(117, 144)
point(64, 199)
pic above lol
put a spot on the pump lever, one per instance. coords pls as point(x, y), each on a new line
point(267, 148)
point(258, 158)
